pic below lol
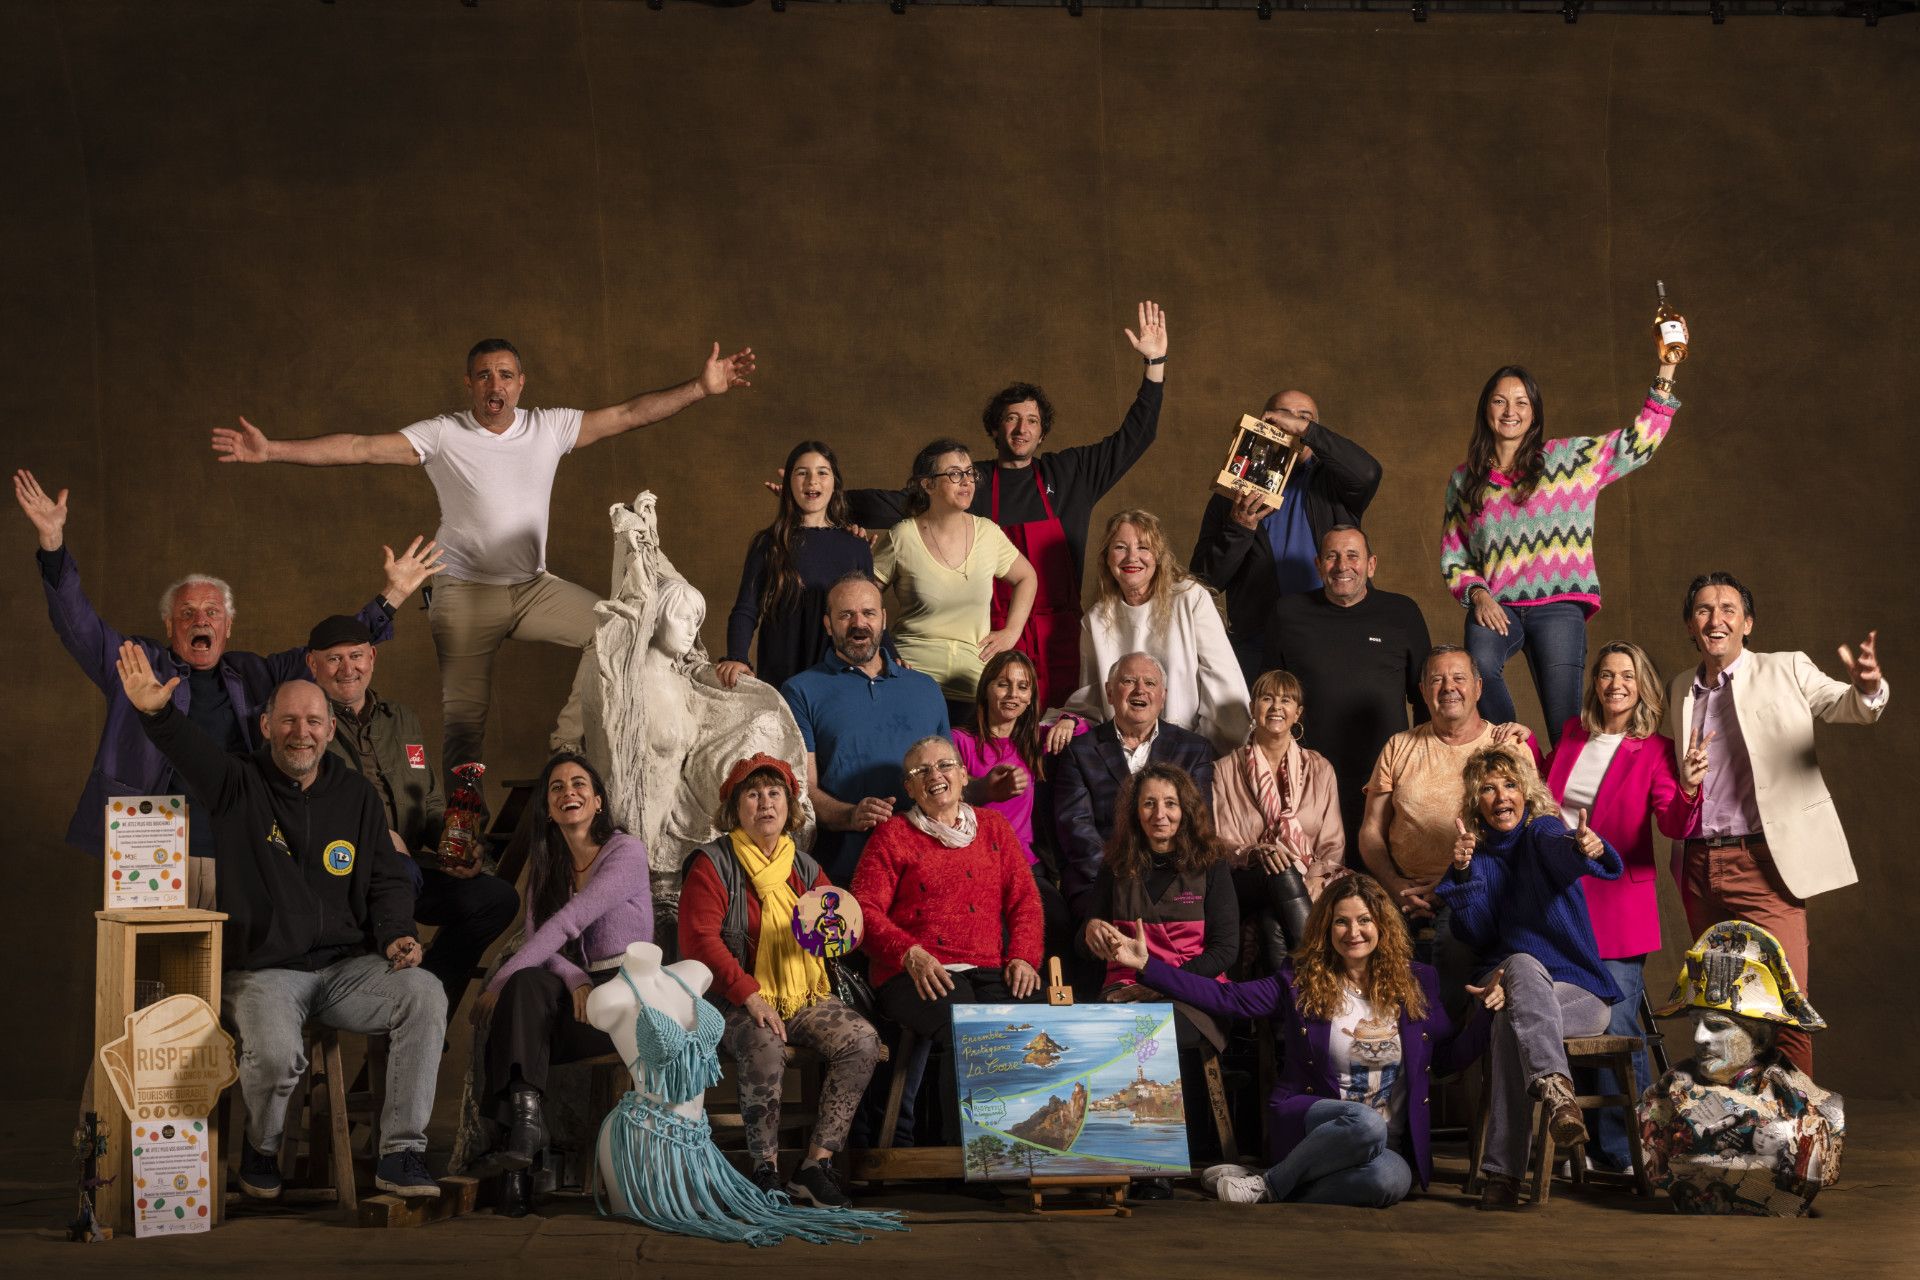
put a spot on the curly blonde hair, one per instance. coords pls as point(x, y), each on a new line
point(1170, 575)
point(1320, 974)
point(1504, 762)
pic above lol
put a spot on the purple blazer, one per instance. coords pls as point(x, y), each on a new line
point(126, 763)
point(1640, 784)
point(1428, 1045)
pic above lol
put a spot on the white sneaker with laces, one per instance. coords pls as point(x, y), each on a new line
point(1235, 1188)
point(1211, 1175)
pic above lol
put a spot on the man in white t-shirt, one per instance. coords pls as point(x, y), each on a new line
point(492, 466)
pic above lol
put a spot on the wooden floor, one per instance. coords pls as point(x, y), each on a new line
point(1870, 1227)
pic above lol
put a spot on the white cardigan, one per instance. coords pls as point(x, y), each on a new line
point(1206, 691)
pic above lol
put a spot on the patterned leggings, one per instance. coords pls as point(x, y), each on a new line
point(842, 1037)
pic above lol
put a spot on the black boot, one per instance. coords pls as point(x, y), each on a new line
point(526, 1129)
point(516, 1193)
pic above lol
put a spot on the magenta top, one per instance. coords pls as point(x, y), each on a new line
point(980, 759)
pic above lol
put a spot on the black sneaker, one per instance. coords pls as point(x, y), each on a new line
point(259, 1173)
point(405, 1174)
point(1151, 1189)
point(819, 1186)
point(767, 1178)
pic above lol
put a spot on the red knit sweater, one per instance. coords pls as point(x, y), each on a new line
point(954, 902)
point(703, 906)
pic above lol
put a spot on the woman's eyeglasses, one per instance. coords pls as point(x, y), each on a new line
point(956, 475)
point(922, 771)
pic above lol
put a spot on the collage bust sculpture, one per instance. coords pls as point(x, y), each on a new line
point(659, 719)
point(1735, 1129)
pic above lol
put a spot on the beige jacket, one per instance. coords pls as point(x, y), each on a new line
point(1777, 697)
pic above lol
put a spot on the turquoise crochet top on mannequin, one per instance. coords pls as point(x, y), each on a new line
point(666, 1167)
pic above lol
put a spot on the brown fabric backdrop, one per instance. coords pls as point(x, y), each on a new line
point(306, 213)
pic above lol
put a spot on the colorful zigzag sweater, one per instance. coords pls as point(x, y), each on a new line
point(1541, 550)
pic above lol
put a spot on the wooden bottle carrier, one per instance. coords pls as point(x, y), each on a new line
point(1260, 460)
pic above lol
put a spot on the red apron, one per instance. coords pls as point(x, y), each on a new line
point(1052, 635)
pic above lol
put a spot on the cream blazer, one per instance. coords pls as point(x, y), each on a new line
point(1776, 698)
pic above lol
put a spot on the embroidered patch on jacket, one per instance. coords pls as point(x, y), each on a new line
point(416, 755)
point(339, 857)
point(278, 841)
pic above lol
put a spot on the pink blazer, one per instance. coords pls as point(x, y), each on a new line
point(1640, 784)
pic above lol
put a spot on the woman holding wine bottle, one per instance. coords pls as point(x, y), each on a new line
point(1517, 537)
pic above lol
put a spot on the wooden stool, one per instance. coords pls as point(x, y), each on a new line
point(1615, 1053)
point(322, 1093)
point(883, 1161)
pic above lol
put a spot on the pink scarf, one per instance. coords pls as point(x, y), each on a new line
point(1277, 794)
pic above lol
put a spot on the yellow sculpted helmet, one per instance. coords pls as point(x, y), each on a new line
point(1740, 968)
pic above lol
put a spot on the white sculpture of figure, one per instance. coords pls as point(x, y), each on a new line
point(656, 1157)
point(1735, 1129)
point(659, 719)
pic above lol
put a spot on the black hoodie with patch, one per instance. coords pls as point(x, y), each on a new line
point(306, 877)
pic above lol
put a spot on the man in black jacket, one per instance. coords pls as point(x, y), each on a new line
point(1092, 769)
point(1256, 554)
point(319, 918)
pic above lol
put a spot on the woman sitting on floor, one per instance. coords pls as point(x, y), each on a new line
point(737, 905)
point(1365, 1034)
point(1515, 892)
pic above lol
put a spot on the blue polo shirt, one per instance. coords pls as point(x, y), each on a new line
point(859, 728)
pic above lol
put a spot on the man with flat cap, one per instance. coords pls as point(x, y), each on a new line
point(383, 740)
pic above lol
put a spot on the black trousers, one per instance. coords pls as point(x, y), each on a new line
point(468, 915)
point(533, 1028)
point(897, 1001)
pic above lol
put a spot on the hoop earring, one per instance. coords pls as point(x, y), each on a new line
point(1299, 730)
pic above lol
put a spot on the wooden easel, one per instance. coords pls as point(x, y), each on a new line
point(1110, 1193)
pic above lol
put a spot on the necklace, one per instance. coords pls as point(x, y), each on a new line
point(579, 872)
point(946, 561)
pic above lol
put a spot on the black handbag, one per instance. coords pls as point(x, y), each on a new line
point(850, 986)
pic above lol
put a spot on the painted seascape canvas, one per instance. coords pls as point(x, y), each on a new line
point(1053, 1090)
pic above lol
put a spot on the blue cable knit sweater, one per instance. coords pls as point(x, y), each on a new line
point(1521, 893)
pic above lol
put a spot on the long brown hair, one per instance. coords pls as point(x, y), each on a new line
point(1195, 848)
point(1026, 727)
point(1483, 446)
point(783, 584)
point(1320, 974)
point(1645, 720)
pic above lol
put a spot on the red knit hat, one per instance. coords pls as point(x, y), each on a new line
point(753, 764)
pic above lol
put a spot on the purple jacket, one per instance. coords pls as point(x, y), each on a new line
point(610, 913)
point(1429, 1045)
point(126, 763)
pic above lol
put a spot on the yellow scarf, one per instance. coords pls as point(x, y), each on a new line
point(789, 978)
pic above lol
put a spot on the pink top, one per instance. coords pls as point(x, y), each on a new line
point(981, 758)
point(1640, 786)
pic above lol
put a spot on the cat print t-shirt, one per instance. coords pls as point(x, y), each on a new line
point(1366, 1061)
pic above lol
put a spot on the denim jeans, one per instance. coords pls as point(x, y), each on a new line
point(1343, 1159)
point(1608, 1126)
point(1554, 637)
point(1528, 1043)
point(269, 1008)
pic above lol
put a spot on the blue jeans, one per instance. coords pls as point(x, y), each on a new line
point(1555, 639)
point(1608, 1126)
point(1343, 1159)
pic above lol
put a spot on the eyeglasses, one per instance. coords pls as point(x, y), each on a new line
point(921, 771)
point(956, 475)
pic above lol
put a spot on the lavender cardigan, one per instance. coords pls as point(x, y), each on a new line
point(611, 913)
point(1429, 1045)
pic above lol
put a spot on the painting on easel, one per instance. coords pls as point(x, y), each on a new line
point(1048, 1091)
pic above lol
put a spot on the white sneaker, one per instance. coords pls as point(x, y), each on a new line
point(1211, 1175)
point(1236, 1188)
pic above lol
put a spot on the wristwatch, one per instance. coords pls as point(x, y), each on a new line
point(1153, 360)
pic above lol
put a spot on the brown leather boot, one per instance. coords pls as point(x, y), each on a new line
point(1502, 1193)
point(1565, 1123)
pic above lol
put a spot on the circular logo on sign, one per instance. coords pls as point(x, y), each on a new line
point(159, 857)
point(339, 857)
